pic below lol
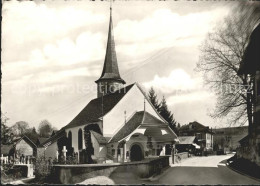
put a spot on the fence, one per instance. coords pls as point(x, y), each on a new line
point(11, 160)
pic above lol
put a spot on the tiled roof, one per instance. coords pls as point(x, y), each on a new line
point(93, 111)
point(54, 138)
point(195, 126)
point(100, 139)
point(110, 68)
point(150, 119)
point(187, 139)
point(244, 140)
point(27, 140)
point(136, 120)
point(40, 141)
point(129, 127)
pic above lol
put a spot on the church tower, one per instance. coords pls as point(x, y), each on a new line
point(110, 79)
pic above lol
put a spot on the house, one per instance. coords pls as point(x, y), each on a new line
point(188, 144)
point(250, 65)
point(203, 134)
point(227, 139)
point(21, 147)
point(119, 125)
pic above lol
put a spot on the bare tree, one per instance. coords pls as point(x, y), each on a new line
point(221, 55)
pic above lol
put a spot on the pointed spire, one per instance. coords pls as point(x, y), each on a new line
point(110, 68)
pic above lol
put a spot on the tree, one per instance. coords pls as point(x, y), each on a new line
point(221, 55)
point(167, 115)
point(5, 130)
point(32, 134)
point(19, 128)
point(153, 98)
point(45, 128)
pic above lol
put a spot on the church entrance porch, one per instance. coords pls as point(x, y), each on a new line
point(136, 153)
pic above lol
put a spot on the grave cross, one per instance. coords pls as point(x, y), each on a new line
point(57, 155)
point(64, 152)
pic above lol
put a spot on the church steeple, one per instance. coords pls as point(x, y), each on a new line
point(110, 79)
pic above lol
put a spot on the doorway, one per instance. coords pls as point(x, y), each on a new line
point(136, 153)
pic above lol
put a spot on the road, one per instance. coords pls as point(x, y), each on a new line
point(196, 170)
point(204, 170)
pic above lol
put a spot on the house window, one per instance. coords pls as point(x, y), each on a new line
point(80, 139)
point(113, 152)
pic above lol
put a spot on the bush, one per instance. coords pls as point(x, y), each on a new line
point(42, 167)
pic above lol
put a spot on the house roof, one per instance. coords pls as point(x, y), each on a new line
point(93, 111)
point(54, 138)
point(251, 59)
point(5, 149)
point(150, 119)
point(27, 140)
point(244, 140)
point(129, 127)
point(135, 121)
point(100, 139)
point(195, 126)
point(187, 139)
point(110, 68)
point(41, 140)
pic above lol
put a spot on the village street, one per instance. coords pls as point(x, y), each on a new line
point(196, 170)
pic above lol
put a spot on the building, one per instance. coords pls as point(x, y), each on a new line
point(20, 147)
point(119, 125)
point(227, 139)
point(188, 144)
point(203, 134)
point(250, 65)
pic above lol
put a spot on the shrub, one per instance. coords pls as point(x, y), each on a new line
point(42, 167)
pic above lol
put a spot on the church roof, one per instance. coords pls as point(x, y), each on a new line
point(93, 111)
point(110, 68)
point(136, 120)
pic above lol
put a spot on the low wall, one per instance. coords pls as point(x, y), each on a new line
point(26, 170)
point(71, 174)
point(180, 156)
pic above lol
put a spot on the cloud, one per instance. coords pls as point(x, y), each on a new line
point(188, 97)
point(176, 81)
point(25, 21)
point(164, 28)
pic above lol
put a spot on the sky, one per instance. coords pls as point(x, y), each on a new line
point(53, 51)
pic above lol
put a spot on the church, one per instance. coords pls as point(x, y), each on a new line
point(120, 125)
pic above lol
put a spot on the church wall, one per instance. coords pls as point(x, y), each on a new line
point(74, 132)
point(133, 101)
point(51, 150)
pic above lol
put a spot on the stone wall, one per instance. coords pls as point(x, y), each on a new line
point(71, 174)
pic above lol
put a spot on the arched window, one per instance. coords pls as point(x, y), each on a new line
point(80, 139)
point(70, 139)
